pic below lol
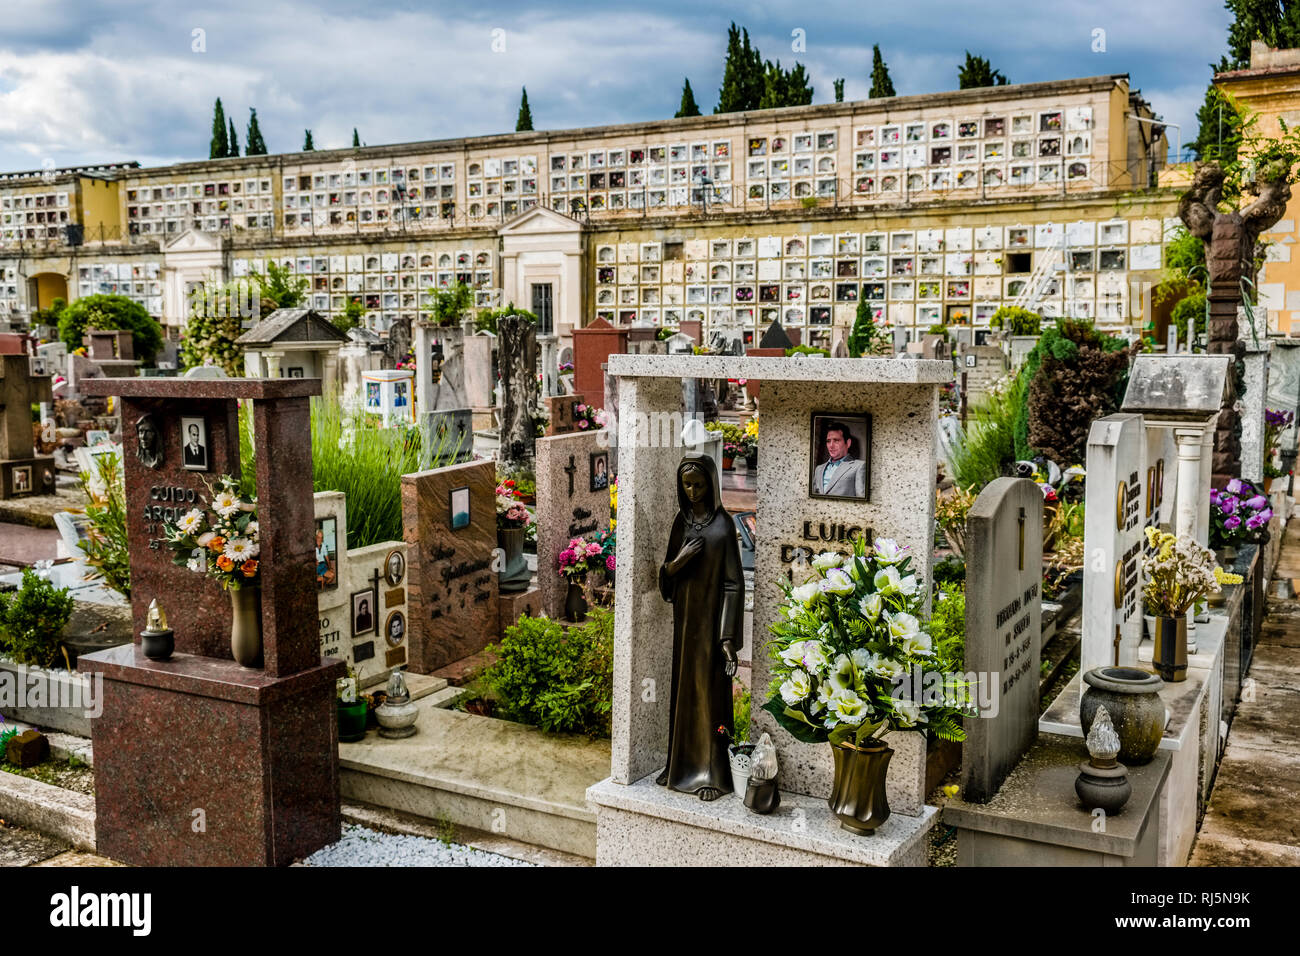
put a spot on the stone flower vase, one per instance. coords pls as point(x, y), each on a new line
point(575, 602)
point(1169, 649)
point(1131, 698)
point(514, 574)
point(246, 625)
point(858, 792)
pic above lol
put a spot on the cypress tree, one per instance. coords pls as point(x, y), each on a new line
point(307, 144)
point(525, 120)
point(688, 107)
point(234, 141)
point(356, 140)
point(774, 86)
point(731, 96)
point(977, 72)
point(798, 91)
point(839, 90)
point(755, 72)
point(881, 84)
point(220, 146)
point(256, 146)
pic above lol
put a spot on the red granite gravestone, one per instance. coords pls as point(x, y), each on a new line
point(449, 521)
point(200, 761)
point(13, 343)
point(692, 327)
point(22, 472)
point(592, 346)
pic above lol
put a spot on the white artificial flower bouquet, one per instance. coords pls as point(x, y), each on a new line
point(223, 540)
point(845, 649)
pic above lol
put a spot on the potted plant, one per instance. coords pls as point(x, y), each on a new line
point(1238, 514)
point(749, 442)
point(1179, 574)
point(739, 750)
point(513, 519)
point(730, 451)
point(575, 561)
point(841, 639)
point(222, 541)
point(1275, 422)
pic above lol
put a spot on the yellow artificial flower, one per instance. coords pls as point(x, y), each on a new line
point(1226, 577)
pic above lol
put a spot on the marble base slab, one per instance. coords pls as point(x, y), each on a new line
point(1191, 734)
point(642, 824)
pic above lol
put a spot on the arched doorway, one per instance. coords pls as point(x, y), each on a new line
point(44, 288)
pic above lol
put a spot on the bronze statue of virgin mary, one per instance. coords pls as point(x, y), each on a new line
point(702, 578)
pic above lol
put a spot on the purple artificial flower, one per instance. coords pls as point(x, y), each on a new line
point(1215, 496)
point(1259, 501)
point(1266, 515)
point(1228, 504)
point(1254, 524)
point(1235, 486)
point(1232, 523)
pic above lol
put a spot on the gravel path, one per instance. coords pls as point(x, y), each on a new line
point(364, 847)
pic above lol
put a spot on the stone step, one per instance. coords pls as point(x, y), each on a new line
point(496, 776)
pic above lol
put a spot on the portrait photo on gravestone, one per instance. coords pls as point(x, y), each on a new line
point(363, 612)
point(840, 456)
point(326, 553)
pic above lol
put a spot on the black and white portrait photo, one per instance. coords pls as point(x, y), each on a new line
point(395, 566)
point(363, 612)
point(194, 434)
point(840, 456)
point(395, 628)
point(148, 442)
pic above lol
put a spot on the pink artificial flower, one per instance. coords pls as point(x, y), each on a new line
point(593, 549)
point(582, 423)
point(580, 409)
point(609, 562)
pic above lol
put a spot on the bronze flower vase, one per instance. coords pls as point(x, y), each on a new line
point(246, 625)
point(858, 793)
point(575, 602)
point(1169, 655)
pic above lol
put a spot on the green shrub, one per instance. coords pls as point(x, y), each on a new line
point(741, 706)
point(949, 572)
point(1079, 375)
point(1017, 321)
point(1189, 309)
point(32, 620)
point(948, 624)
point(807, 350)
point(987, 444)
point(561, 681)
point(111, 313)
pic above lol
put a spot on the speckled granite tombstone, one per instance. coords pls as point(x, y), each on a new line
point(449, 521)
point(638, 822)
point(1004, 574)
point(199, 761)
point(560, 407)
point(567, 504)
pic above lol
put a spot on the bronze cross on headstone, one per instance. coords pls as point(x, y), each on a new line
point(1021, 558)
point(374, 583)
point(572, 470)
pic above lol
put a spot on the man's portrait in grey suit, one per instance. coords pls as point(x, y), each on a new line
point(840, 461)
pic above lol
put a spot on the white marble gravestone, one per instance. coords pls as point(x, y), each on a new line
point(1004, 561)
point(1254, 402)
point(1182, 394)
point(1113, 542)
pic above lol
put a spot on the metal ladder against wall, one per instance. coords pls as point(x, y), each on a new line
point(1051, 265)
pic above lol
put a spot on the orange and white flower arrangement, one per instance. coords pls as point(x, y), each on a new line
point(222, 540)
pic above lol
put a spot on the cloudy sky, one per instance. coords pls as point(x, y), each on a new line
point(93, 80)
